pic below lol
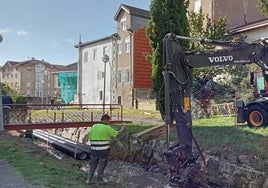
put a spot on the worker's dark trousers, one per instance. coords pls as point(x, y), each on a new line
point(6, 115)
point(99, 160)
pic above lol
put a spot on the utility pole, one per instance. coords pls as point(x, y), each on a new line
point(1, 108)
point(105, 59)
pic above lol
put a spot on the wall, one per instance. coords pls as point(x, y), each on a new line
point(142, 67)
point(238, 12)
point(92, 72)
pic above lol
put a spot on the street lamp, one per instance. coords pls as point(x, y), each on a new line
point(47, 73)
point(105, 59)
point(42, 90)
point(1, 109)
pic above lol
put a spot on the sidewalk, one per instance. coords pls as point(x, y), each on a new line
point(11, 179)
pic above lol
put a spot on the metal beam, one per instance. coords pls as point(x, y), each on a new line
point(33, 126)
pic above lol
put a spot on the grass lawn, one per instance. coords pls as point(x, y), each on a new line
point(215, 134)
point(38, 166)
point(218, 133)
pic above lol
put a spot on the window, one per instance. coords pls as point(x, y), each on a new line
point(105, 50)
point(123, 24)
point(127, 75)
point(99, 75)
point(197, 6)
point(56, 79)
point(28, 75)
point(39, 68)
point(28, 92)
point(100, 95)
point(127, 45)
point(119, 98)
point(28, 84)
point(95, 54)
point(119, 47)
point(39, 76)
point(85, 57)
point(48, 88)
point(58, 82)
point(119, 74)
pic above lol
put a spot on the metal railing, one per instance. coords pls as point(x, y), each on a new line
point(62, 113)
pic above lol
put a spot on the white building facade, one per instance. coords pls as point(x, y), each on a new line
point(95, 77)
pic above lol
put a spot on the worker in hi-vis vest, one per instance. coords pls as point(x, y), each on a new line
point(99, 136)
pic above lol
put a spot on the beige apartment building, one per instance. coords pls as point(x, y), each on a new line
point(35, 79)
point(127, 90)
point(243, 16)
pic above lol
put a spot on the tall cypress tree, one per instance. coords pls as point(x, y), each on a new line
point(167, 16)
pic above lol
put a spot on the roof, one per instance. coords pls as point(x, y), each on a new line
point(13, 63)
point(22, 63)
point(70, 67)
point(80, 44)
point(250, 26)
point(132, 10)
point(31, 62)
point(65, 68)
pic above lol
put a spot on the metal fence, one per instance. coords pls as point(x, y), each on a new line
point(33, 113)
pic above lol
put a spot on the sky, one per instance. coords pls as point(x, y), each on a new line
point(48, 29)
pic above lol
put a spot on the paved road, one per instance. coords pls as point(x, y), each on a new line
point(9, 178)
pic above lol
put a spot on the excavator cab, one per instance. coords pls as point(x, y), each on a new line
point(258, 82)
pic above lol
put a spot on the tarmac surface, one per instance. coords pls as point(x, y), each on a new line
point(9, 178)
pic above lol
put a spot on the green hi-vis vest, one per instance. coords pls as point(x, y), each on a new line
point(99, 136)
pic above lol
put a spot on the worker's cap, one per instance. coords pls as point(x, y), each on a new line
point(105, 117)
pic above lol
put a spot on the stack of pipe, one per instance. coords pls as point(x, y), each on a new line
point(68, 146)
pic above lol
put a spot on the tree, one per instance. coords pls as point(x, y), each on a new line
point(17, 97)
point(166, 16)
point(6, 90)
point(263, 6)
point(203, 87)
point(170, 16)
point(201, 26)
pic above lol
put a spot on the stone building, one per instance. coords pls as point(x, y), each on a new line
point(35, 79)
